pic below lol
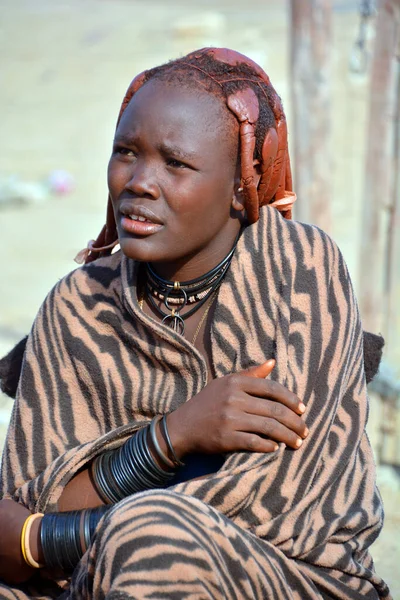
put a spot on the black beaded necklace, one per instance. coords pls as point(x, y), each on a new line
point(175, 295)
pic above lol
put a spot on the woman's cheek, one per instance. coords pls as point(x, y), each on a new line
point(115, 176)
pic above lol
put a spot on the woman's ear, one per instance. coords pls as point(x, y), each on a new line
point(238, 197)
point(257, 171)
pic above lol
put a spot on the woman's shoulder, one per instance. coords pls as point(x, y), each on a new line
point(295, 243)
point(74, 294)
point(103, 270)
point(98, 277)
point(306, 234)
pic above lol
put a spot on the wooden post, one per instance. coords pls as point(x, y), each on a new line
point(379, 165)
point(392, 263)
point(311, 42)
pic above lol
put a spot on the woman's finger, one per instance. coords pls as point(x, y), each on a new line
point(269, 409)
point(251, 442)
point(260, 371)
point(273, 429)
point(265, 388)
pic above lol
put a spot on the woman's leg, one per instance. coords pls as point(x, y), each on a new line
point(35, 589)
point(9, 593)
point(163, 545)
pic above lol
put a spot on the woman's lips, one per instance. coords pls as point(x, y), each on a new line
point(137, 227)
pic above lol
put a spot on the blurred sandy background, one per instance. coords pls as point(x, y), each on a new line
point(64, 70)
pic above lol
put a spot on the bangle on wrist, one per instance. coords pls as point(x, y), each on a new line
point(25, 545)
point(132, 468)
point(65, 537)
point(153, 436)
point(164, 431)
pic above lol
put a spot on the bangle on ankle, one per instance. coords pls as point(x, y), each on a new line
point(25, 546)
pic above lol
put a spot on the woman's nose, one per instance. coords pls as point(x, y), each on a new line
point(142, 181)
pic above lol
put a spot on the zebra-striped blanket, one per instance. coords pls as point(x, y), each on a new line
point(291, 524)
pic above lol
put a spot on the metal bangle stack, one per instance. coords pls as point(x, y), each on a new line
point(132, 468)
point(61, 536)
point(65, 537)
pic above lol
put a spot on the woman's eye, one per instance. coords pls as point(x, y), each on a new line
point(176, 164)
point(123, 151)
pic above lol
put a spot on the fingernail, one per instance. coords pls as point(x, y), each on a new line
point(306, 432)
point(276, 448)
point(302, 407)
point(299, 442)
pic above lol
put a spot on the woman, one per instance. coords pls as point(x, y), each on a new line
point(209, 295)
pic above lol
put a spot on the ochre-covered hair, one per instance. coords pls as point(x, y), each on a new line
point(247, 91)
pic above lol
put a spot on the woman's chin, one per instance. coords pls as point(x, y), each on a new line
point(141, 249)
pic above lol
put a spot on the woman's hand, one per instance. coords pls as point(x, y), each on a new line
point(239, 412)
point(13, 568)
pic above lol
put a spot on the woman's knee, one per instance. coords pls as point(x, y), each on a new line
point(158, 511)
point(149, 537)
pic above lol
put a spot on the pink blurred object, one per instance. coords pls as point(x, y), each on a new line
point(61, 182)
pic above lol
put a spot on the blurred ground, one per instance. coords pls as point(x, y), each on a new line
point(66, 65)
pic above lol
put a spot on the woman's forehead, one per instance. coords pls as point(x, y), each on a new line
point(178, 115)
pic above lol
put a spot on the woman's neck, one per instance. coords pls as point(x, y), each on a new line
point(197, 265)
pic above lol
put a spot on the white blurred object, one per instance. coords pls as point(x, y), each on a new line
point(13, 191)
point(387, 477)
point(61, 182)
point(201, 25)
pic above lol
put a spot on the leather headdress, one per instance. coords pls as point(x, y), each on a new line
point(275, 183)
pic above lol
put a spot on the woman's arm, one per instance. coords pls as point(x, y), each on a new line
point(31, 542)
point(13, 568)
point(58, 423)
point(233, 413)
point(81, 493)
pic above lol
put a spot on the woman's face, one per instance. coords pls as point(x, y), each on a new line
point(171, 178)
